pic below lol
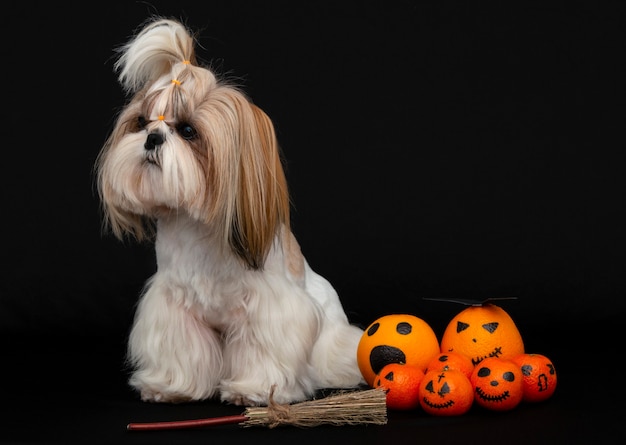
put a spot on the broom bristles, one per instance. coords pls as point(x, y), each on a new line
point(341, 408)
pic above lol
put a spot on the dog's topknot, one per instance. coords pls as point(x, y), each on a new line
point(160, 44)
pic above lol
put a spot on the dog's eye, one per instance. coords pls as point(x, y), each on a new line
point(142, 122)
point(186, 131)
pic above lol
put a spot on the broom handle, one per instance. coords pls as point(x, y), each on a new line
point(178, 424)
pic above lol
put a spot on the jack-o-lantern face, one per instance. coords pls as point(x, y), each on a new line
point(483, 331)
point(395, 338)
point(446, 393)
point(498, 384)
point(539, 376)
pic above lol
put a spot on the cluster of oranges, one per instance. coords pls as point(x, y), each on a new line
point(480, 360)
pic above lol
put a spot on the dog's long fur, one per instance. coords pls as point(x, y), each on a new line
point(233, 308)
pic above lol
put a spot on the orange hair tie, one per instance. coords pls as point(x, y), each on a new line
point(161, 117)
point(176, 81)
point(186, 62)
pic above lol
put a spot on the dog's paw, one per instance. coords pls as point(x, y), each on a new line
point(242, 395)
point(243, 399)
point(155, 387)
point(148, 395)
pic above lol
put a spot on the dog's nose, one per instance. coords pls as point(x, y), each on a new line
point(153, 141)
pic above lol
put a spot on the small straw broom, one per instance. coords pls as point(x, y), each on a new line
point(341, 408)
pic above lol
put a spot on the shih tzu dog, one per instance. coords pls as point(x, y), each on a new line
point(233, 309)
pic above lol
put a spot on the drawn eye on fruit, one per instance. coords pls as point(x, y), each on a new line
point(498, 384)
point(483, 331)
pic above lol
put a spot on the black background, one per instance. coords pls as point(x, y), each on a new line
point(433, 149)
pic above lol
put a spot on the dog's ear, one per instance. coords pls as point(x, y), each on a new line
point(262, 202)
point(159, 45)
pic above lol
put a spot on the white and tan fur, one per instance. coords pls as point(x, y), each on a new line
point(233, 308)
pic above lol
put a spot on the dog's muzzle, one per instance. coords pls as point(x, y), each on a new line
point(153, 141)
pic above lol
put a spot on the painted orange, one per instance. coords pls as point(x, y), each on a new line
point(446, 361)
point(395, 338)
point(401, 384)
point(539, 375)
point(483, 331)
point(446, 393)
point(498, 384)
